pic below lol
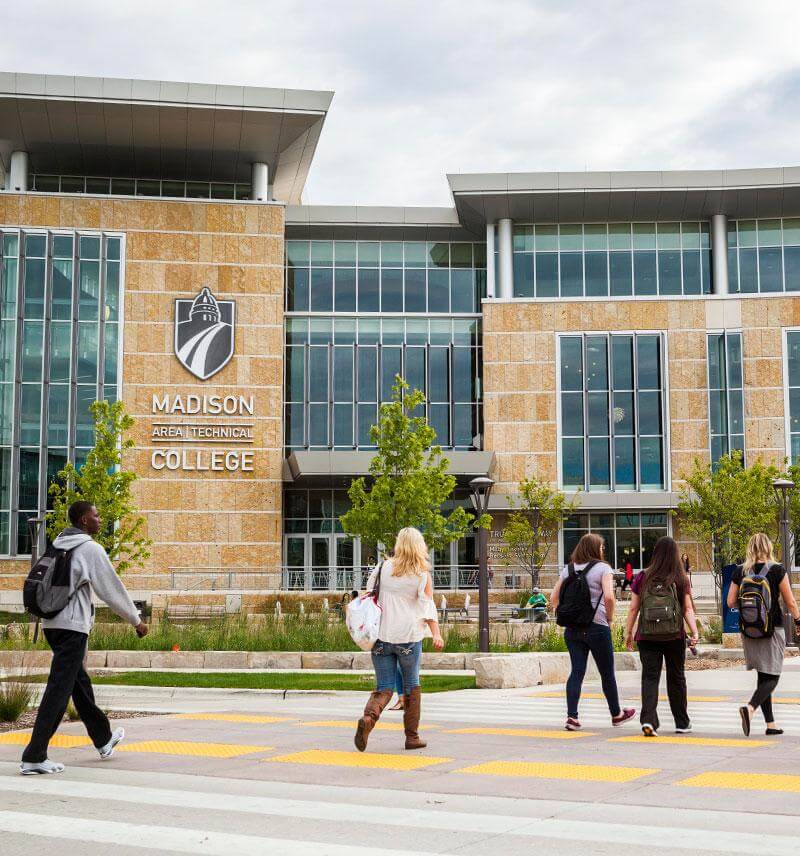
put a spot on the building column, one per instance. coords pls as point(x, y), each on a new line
point(505, 248)
point(18, 172)
point(719, 253)
point(259, 182)
point(491, 288)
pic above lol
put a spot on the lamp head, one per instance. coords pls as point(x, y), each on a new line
point(481, 487)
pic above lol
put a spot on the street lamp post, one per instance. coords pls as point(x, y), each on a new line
point(481, 490)
point(782, 488)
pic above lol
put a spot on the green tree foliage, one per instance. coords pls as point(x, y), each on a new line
point(408, 482)
point(532, 527)
point(103, 482)
point(723, 505)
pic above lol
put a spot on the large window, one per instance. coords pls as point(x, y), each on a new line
point(611, 259)
point(793, 381)
point(725, 394)
point(612, 412)
point(385, 276)
point(764, 255)
point(339, 371)
point(59, 341)
point(102, 185)
point(629, 536)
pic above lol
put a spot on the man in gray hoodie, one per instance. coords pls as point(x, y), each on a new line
point(68, 634)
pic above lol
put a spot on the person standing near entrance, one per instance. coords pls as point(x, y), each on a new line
point(662, 601)
point(584, 603)
point(405, 596)
point(68, 634)
point(757, 588)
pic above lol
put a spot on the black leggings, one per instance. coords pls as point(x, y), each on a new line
point(762, 697)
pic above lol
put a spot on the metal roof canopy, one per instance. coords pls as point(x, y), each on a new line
point(337, 468)
point(158, 129)
point(586, 197)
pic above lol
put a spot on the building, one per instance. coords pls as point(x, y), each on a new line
point(599, 330)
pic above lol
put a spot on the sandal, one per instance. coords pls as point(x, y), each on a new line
point(399, 705)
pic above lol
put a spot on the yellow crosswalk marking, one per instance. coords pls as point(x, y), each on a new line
point(692, 741)
point(60, 741)
point(785, 700)
point(696, 698)
point(200, 750)
point(524, 732)
point(375, 760)
point(350, 723)
point(579, 772)
point(745, 781)
point(232, 717)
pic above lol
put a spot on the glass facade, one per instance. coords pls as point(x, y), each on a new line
point(764, 255)
point(725, 394)
point(793, 382)
point(59, 341)
point(612, 412)
point(629, 536)
point(340, 370)
point(611, 259)
point(102, 185)
point(385, 276)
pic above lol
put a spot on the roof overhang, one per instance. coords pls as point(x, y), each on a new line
point(160, 129)
point(337, 468)
point(586, 197)
point(646, 500)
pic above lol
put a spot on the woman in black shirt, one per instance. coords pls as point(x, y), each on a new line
point(764, 654)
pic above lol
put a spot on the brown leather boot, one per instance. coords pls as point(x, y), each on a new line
point(372, 712)
point(411, 712)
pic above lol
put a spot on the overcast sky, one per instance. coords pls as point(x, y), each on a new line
point(426, 88)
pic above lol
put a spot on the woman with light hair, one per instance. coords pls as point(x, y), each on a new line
point(405, 596)
point(756, 590)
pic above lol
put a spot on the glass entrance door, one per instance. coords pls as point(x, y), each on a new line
point(295, 552)
point(320, 563)
point(320, 554)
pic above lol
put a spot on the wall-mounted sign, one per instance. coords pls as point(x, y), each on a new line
point(204, 343)
point(204, 333)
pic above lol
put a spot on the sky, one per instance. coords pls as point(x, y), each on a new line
point(444, 86)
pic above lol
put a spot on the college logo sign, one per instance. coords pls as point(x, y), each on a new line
point(204, 333)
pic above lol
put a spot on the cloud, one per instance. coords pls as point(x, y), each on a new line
point(425, 88)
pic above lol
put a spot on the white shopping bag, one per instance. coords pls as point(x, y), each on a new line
point(364, 621)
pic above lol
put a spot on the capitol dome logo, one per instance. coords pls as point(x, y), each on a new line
point(204, 333)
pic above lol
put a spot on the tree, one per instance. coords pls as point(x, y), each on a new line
point(722, 505)
point(103, 482)
point(532, 529)
point(408, 480)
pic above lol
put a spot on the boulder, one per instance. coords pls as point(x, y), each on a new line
point(438, 660)
point(222, 659)
point(274, 660)
point(504, 671)
point(327, 659)
point(128, 659)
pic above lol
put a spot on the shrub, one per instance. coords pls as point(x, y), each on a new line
point(712, 632)
point(15, 699)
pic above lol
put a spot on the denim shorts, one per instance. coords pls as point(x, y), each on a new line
point(387, 657)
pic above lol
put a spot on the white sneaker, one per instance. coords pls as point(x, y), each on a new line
point(108, 750)
point(687, 730)
point(38, 768)
point(648, 730)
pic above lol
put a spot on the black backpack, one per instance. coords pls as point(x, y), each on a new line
point(49, 584)
point(574, 599)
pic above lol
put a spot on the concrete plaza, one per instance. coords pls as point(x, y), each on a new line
point(255, 772)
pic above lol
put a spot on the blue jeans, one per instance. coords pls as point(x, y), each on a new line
point(594, 640)
point(388, 659)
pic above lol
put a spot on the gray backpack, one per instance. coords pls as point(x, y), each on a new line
point(48, 586)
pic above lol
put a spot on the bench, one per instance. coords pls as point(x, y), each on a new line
point(180, 610)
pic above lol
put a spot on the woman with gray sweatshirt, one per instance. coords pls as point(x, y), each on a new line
point(68, 634)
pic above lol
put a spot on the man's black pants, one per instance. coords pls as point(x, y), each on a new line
point(67, 678)
point(673, 655)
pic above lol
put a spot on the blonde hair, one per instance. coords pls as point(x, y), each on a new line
point(410, 553)
point(759, 549)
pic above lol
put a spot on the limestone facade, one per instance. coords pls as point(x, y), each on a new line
point(172, 249)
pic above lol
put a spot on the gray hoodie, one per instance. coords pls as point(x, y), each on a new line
point(91, 571)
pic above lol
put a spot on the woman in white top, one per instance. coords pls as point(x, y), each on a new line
point(408, 614)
